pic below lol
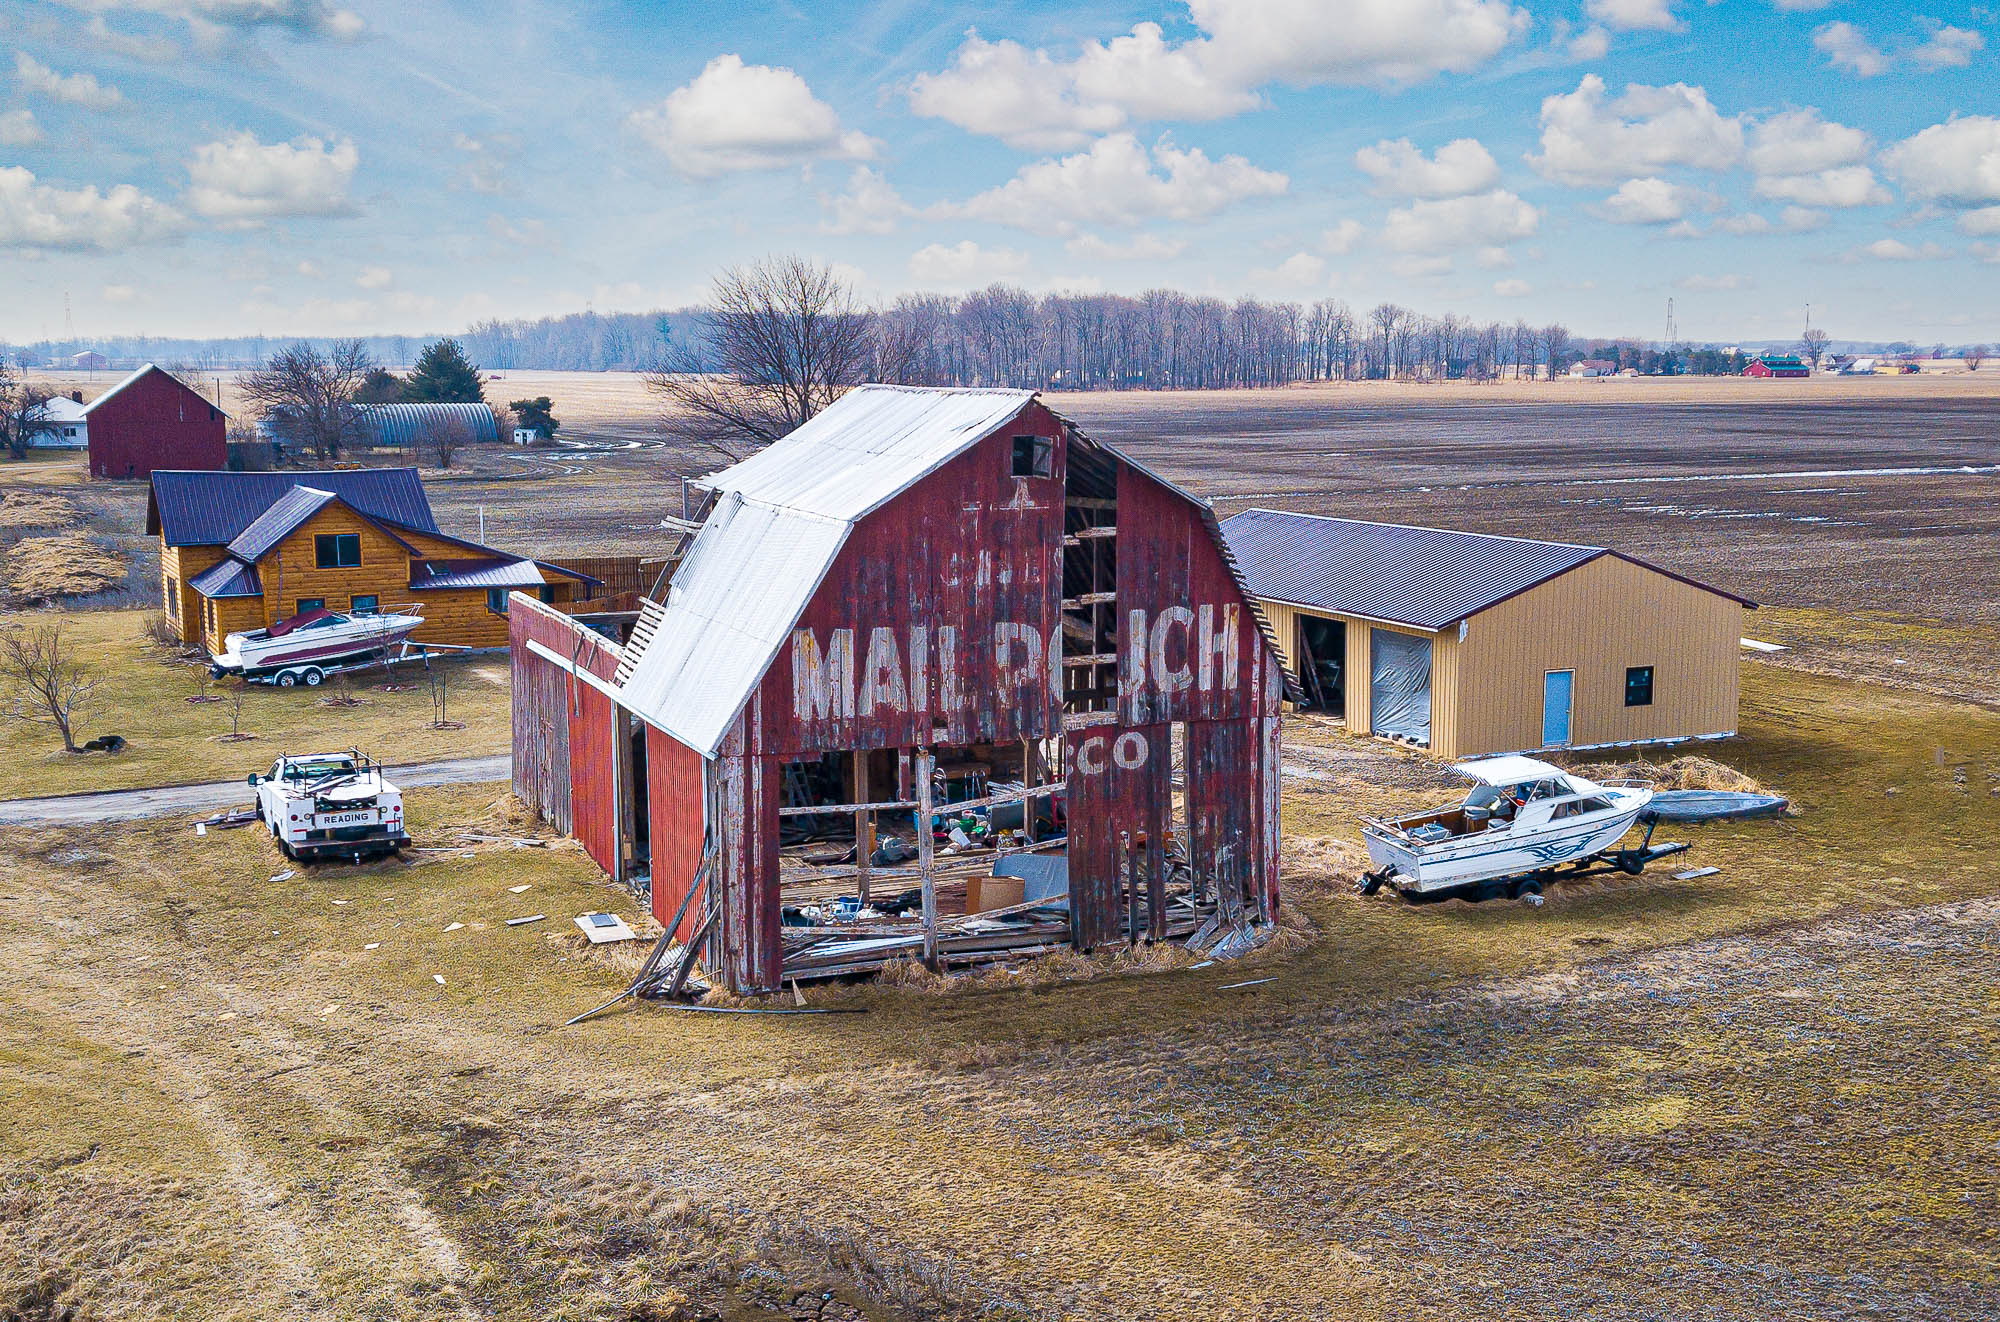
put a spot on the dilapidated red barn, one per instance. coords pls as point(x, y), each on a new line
point(923, 601)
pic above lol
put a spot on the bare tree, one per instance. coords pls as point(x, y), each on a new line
point(445, 436)
point(1812, 345)
point(234, 698)
point(23, 415)
point(1976, 355)
point(50, 686)
point(308, 396)
point(786, 337)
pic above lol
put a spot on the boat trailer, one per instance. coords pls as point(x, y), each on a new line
point(1631, 861)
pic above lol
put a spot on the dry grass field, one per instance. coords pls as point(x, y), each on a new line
point(1764, 1092)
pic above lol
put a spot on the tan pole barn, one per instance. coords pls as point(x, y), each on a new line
point(1470, 644)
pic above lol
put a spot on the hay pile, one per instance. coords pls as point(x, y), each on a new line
point(1320, 864)
point(66, 565)
point(1682, 773)
point(35, 509)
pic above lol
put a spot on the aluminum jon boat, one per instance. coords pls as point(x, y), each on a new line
point(303, 648)
point(1522, 819)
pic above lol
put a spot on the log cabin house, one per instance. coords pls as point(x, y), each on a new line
point(241, 551)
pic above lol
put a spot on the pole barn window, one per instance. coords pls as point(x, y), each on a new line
point(1639, 686)
point(337, 550)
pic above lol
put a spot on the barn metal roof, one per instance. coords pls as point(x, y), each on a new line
point(412, 425)
point(279, 521)
point(143, 369)
point(742, 586)
point(228, 578)
point(201, 508)
point(1427, 578)
point(870, 444)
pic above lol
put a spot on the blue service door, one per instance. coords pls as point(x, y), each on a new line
point(1557, 689)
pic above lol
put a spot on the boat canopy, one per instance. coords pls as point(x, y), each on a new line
point(1507, 770)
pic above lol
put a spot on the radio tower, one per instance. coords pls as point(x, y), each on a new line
point(1671, 333)
point(69, 322)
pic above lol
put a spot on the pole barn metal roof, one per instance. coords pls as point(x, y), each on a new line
point(1425, 578)
point(407, 426)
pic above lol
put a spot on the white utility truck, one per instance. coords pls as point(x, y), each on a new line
point(324, 805)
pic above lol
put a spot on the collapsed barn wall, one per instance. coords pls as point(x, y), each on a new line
point(566, 756)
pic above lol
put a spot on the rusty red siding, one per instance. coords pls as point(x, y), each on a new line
point(1120, 790)
point(676, 794)
point(746, 832)
point(155, 422)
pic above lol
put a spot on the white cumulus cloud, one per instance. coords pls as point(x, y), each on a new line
point(1895, 250)
point(1588, 137)
point(1341, 237)
point(965, 264)
point(209, 19)
point(1483, 220)
point(1513, 288)
point(1038, 101)
point(1984, 221)
point(1948, 48)
point(74, 89)
point(736, 116)
point(37, 215)
point(1848, 186)
point(374, 277)
point(18, 128)
point(871, 205)
point(1956, 163)
point(241, 180)
point(1652, 201)
point(1119, 184)
point(1455, 169)
point(1139, 247)
point(1713, 283)
point(1302, 270)
point(1633, 15)
point(1847, 47)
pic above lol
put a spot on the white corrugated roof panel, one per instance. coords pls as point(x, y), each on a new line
point(752, 570)
point(870, 444)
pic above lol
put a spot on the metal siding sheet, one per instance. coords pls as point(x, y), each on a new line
point(870, 444)
point(1598, 620)
point(1225, 797)
point(496, 574)
point(569, 739)
point(409, 426)
point(748, 954)
point(278, 522)
point(676, 807)
point(1426, 578)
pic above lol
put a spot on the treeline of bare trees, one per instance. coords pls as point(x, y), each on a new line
point(1167, 340)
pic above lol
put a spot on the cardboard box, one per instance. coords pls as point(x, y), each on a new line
point(984, 893)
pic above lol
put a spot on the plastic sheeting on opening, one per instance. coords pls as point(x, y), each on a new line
point(1399, 693)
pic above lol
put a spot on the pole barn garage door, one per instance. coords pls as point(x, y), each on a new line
point(1399, 692)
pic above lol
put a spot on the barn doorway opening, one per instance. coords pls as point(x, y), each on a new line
point(1322, 662)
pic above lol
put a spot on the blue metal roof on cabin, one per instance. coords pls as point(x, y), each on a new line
point(480, 574)
point(1427, 578)
point(196, 508)
point(228, 578)
point(278, 522)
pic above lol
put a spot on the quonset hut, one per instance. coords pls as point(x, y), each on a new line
point(923, 598)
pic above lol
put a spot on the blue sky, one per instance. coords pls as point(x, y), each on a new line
point(326, 166)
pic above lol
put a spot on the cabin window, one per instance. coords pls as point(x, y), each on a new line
point(337, 550)
point(173, 597)
point(368, 605)
point(496, 600)
point(1034, 456)
point(309, 604)
point(1639, 686)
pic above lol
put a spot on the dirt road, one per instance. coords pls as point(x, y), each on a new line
point(163, 800)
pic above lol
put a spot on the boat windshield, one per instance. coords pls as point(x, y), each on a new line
point(1530, 791)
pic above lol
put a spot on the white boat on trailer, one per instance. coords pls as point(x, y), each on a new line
point(313, 644)
point(1522, 822)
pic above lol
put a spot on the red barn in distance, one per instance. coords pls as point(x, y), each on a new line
point(924, 599)
point(151, 420)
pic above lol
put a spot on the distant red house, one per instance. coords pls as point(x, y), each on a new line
point(1777, 364)
point(150, 420)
